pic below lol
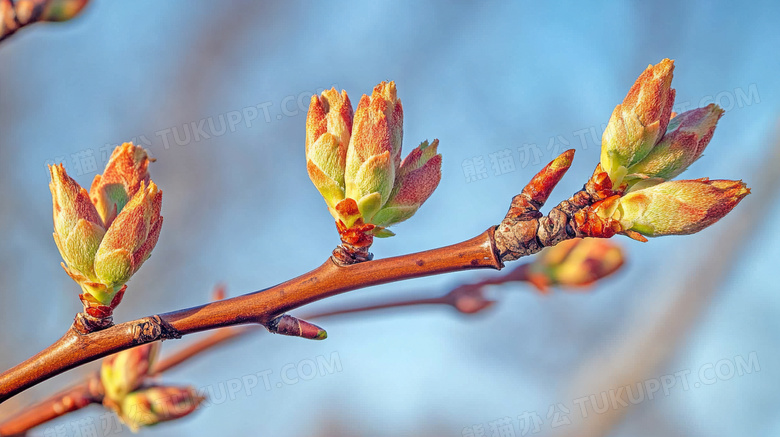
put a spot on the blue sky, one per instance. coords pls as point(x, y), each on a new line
point(481, 77)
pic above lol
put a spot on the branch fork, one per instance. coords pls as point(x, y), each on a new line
point(525, 230)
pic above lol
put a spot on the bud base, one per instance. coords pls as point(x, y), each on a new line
point(346, 254)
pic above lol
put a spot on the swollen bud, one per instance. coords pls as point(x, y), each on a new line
point(124, 372)
point(374, 152)
point(78, 229)
point(685, 140)
point(154, 405)
point(126, 170)
point(355, 164)
point(417, 178)
point(678, 207)
point(639, 122)
point(328, 130)
point(104, 236)
point(62, 10)
point(575, 263)
point(130, 239)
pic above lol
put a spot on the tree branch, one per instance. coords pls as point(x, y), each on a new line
point(465, 298)
point(73, 398)
point(75, 349)
point(523, 232)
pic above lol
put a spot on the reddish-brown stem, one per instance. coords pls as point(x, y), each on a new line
point(524, 231)
point(90, 391)
point(218, 337)
point(223, 336)
point(382, 306)
point(73, 398)
point(52, 407)
point(75, 349)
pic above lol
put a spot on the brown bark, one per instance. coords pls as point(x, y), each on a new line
point(75, 349)
point(76, 397)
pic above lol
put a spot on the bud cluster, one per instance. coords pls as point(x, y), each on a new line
point(354, 160)
point(124, 378)
point(574, 263)
point(104, 236)
point(644, 146)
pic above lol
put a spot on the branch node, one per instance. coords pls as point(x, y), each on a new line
point(524, 231)
point(85, 324)
point(152, 329)
point(346, 254)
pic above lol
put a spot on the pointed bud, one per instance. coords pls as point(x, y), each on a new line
point(678, 207)
point(330, 112)
point(469, 299)
point(575, 263)
point(126, 170)
point(417, 178)
point(125, 371)
point(62, 10)
point(130, 239)
point(78, 229)
point(639, 122)
point(17, 14)
point(154, 405)
point(328, 130)
point(374, 178)
point(375, 145)
point(685, 140)
point(295, 327)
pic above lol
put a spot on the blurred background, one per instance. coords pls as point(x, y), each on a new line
point(218, 92)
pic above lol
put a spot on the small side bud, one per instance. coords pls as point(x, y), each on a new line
point(469, 299)
point(219, 293)
point(131, 238)
point(62, 10)
point(575, 263)
point(417, 178)
point(154, 405)
point(295, 327)
point(684, 142)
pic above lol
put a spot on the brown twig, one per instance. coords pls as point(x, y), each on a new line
point(521, 233)
point(226, 335)
point(73, 398)
point(466, 298)
point(223, 336)
point(75, 349)
point(90, 392)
